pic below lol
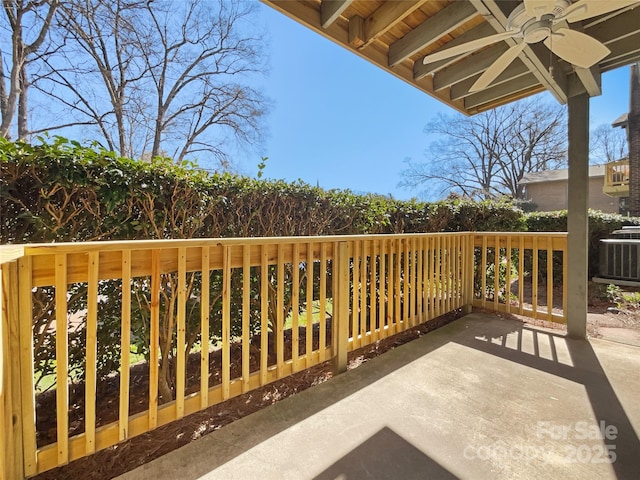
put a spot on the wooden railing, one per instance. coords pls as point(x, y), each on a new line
point(616, 179)
point(247, 311)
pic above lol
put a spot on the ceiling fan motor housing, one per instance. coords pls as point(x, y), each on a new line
point(535, 29)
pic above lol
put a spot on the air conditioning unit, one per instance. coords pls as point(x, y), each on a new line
point(619, 256)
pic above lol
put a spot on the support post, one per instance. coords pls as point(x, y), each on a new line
point(11, 452)
point(578, 217)
point(340, 322)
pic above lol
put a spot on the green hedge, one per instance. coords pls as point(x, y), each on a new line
point(64, 191)
point(600, 226)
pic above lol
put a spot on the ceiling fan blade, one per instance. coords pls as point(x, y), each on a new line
point(537, 8)
point(576, 48)
point(468, 46)
point(497, 67)
point(585, 9)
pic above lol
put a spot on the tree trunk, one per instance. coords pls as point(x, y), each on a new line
point(23, 104)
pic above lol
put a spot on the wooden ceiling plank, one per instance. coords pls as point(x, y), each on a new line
point(386, 17)
point(330, 10)
point(443, 22)
point(421, 70)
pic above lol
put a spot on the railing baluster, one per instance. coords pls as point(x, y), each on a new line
point(154, 343)
point(373, 292)
point(383, 294)
point(565, 270)
point(226, 320)
point(549, 280)
point(280, 312)
point(246, 305)
point(181, 353)
point(406, 287)
point(204, 327)
point(295, 307)
point(322, 342)
point(507, 288)
point(430, 273)
point(483, 270)
point(398, 321)
point(355, 314)
point(264, 313)
point(62, 359)
point(27, 394)
point(125, 346)
point(420, 281)
point(496, 271)
point(363, 295)
point(92, 354)
point(309, 306)
point(521, 275)
point(534, 278)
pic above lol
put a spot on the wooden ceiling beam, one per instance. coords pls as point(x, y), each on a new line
point(421, 70)
point(386, 17)
point(330, 10)
point(432, 29)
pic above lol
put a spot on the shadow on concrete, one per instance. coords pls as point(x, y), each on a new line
point(248, 432)
point(385, 455)
point(585, 369)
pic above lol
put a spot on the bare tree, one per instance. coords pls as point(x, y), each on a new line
point(160, 76)
point(487, 155)
point(608, 144)
point(194, 66)
point(28, 23)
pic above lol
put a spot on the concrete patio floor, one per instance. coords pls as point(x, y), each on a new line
point(481, 398)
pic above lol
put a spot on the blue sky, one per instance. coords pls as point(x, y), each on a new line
point(340, 122)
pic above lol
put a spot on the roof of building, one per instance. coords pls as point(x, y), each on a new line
point(559, 175)
point(621, 121)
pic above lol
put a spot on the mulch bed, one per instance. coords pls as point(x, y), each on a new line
point(126, 456)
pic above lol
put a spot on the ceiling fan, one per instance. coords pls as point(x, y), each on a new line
point(534, 21)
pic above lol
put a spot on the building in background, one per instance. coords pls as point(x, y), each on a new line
point(548, 190)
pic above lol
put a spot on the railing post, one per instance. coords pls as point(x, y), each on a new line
point(11, 452)
point(340, 325)
point(468, 273)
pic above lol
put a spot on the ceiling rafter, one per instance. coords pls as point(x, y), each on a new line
point(443, 22)
point(330, 10)
point(386, 17)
